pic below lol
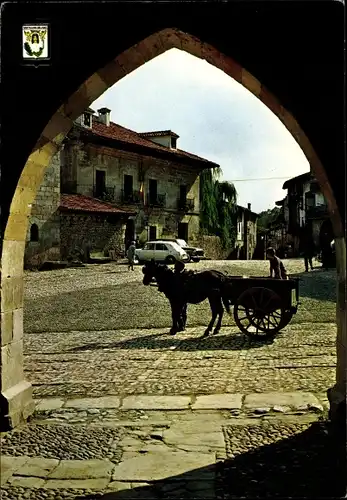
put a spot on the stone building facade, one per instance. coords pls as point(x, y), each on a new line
point(246, 235)
point(304, 209)
point(109, 185)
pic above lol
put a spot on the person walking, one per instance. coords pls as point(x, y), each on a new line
point(308, 248)
point(131, 255)
point(277, 269)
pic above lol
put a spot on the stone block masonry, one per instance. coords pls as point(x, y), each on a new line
point(96, 232)
point(45, 215)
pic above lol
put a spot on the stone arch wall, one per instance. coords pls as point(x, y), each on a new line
point(15, 391)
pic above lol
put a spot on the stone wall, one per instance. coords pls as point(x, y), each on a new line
point(98, 233)
point(213, 247)
point(44, 214)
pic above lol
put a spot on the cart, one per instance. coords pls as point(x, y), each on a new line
point(263, 306)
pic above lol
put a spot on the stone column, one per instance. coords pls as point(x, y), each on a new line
point(16, 402)
point(337, 393)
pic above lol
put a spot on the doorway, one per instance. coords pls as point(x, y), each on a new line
point(128, 188)
point(153, 191)
point(182, 232)
point(129, 233)
point(152, 233)
point(100, 183)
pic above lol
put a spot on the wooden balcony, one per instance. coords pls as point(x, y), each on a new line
point(186, 205)
point(131, 197)
point(107, 194)
point(317, 212)
point(158, 200)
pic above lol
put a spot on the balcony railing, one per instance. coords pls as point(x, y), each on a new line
point(317, 212)
point(131, 197)
point(186, 204)
point(107, 194)
point(158, 200)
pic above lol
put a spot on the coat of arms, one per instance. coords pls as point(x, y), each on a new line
point(35, 41)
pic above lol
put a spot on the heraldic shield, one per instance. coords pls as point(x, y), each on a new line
point(35, 41)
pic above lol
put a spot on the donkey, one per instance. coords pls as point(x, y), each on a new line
point(191, 288)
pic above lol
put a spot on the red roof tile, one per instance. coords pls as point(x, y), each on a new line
point(115, 131)
point(82, 203)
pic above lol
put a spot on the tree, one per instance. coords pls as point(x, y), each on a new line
point(269, 218)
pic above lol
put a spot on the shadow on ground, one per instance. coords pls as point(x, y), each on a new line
point(311, 464)
point(317, 284)
point(162, 341)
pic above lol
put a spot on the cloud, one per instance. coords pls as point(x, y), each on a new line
point(215, 117)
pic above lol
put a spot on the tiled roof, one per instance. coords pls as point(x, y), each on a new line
point(158, 133)
point(298, 179)
point(117, 132)
point(82, 203)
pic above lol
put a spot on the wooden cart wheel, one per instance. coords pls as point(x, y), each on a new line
point(258, 312)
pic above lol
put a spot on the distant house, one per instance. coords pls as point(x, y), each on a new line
point(109, 185)
point(304, 207)
point(246, 235)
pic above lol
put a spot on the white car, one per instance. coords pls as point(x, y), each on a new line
point(161, 251)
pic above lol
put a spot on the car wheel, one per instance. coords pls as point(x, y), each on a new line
point(170, 259)
point(196, 260)
point(189, 258)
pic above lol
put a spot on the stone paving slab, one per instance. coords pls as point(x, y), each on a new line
point(26, 482)
point(82, 484)
point(156, 402)
point(177, 437)
point(38, 467)
point(49, 404)
point(162, 465)
point(9, 465)
point(269, 400)
point(89, 403)
point(82, 469)
point(119, 486)
point(218, 402)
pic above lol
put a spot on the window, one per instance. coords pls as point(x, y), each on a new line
point(239, 230)
point(173, 142)
point(153, 191)
point(183, 193)
point(87, 120)
point(149, 246)
point(34, 232)
point(160, 246)
point(100, 183)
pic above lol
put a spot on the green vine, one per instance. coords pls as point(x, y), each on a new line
point(218, 208)
point(28, 50)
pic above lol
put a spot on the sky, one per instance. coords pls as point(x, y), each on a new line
point(215, 117)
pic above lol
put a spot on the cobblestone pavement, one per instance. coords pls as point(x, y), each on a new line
point(202, 454)
point(63, 360)
point(125, 410)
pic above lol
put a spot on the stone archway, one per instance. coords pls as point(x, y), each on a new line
point(16, 402)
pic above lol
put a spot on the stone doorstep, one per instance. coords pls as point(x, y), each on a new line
point(208, 402)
